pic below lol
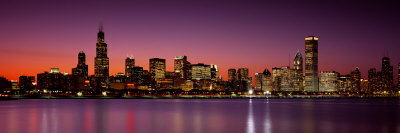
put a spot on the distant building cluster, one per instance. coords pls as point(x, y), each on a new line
point(187, 76)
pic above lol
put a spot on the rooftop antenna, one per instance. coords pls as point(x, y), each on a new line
point(289, 60)
point(101, 27)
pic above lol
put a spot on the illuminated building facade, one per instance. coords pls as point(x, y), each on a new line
point(276, 79)
point(201, 71)
point(101, 62)
point(232, 75)
point(311, 67)
point(344, 83)
point(182, 67)
point(298, 72)
point(287, 79)
point(263, 81)
point(328, 81)
point(373, 80)
point(129, 64)
point(157, 68)
point(53, 80)
point(214, 72)
point(244, 82)
point(387, 74)
point(136, 75)
point(355, 80)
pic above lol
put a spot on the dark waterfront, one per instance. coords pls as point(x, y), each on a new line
point(199, 115)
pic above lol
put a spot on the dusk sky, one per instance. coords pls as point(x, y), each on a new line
point(38, 35)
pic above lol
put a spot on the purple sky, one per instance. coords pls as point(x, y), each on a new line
point(37, 35)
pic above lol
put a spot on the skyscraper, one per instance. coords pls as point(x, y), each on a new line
point(101, 61)
point(26, 82)
point(157, 68)
point(298, 72)
point(387, 74)
point(243, 79)
point(80, 73)
point(232, 75)
point(311, 73)
point(129, 64)
point(214, 72)
point(263, 81)
point(182, 67)
point(355, 80)
point(398, 76)
point(243, 74)
point(201, 71)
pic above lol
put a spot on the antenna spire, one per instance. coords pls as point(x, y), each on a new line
point(101, 27)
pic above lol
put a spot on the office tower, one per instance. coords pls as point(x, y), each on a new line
point(201, 71)
point(243, 74)
point(129, 64)
point(328, 81)
point(157, 68)
point(81, 68)
point(182, 67)
point(287, 79)
point(311, 67)
point(232, 75)
point(243, 79)
point(14, 85)
point(298, 72)
point(27, 82)
point(364, 88)
point(372, 80)
point(4, 83)
point(263, 81)
point(276, 79)
point(101, 62)
point(80, 73)
point(387, 74)
point(214, 72)
point(137, 75)
point(344, 83)
point(355, 80)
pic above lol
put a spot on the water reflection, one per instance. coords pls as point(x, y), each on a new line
point(199, 115)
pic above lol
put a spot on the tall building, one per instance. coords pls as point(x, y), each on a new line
point(243, 79)
point(276, 79)
point(287, 79)
point(373, 80)
point(232, 75)
point(80, 73)
point(263, 81)
point(129, 64)
point(101, 61)
point(214, 72)
point(26, 82)
point(201, 71)
point(355, 80)
point(182, 67)
point(387, 74)
point(298, 72)
point(157, 68)
point(344, 83)
point(53, 80)
point(311, 67)
point(328, 81)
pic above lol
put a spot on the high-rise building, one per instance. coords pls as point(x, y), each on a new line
point(214, 72)
point(101, 62)
point(136, 75)
point(263, 81)
point(26, 82)
point(355, 80)
point(244, 81)
point(276, 79)
point(80, 73)
point(201, 71)
point(182, 67)
point(387, 74)
point(157, 68)
point(344, 83)
point(129, 64)
point(287, 79)
point(232, 75)
point(311, 67)
point(53, 80)
point(328, 81)
point(372, 80)
point(298, 72)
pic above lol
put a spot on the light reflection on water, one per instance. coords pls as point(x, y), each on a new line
point(199, 115)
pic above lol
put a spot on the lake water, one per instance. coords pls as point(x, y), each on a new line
point(200, 115)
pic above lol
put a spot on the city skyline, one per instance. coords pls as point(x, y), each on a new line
point(233, 46)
